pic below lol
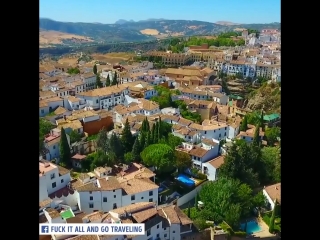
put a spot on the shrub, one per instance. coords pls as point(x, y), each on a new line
point(201, 176)
point(201, 224)
point(240, 234)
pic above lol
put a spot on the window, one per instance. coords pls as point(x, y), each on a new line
point(225, 134)
point(148, 232)
point(90, 205)
point(105, 199)
point(141, 197)
point(150, 193)
point(54, 184)
point(114, 206)
point(164, 229)
point(42, 111)
point(165, 235)
point(97, 101)
point(114, 190)
point(54, 146)
point(158, 235)
point(150, 200)
point(158, 226)
point(90, 192)
point(52, 175)
point(225, 128)
point(133, 197)
point(173, 231)
point(205, 132)
point(114, 196)
point(91, 198)
point(62, 180)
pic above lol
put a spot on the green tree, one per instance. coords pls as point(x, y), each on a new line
point(225, 87)
point(98, 159)
point(256, 136)
point(64, 148)
point(142, 140)
point(259, 200)
point(108, 81)
point(253, 118)
point(115, 148)
point(94, 69)
point(226, 199)
point(155, 133)
point(158, 155)
point(115, 79)
point(148, 139)
point(44, 128)
point(98, 82)
point(126, 137)
point(128, 157)
point(102, 139)
point(272, 164)
point(244, 124)
point(272, 134)
point(243, 162)
point(74, 136)
point(182, 160)
point(136, 149)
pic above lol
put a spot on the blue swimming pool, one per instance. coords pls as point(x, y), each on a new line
point(185, 180)
point(252, 227)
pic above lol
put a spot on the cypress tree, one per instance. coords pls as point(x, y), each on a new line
point(98, 82)
point(148, 140)
point(159, 129)
point(94, 69)
point(142, 140)
point(155, 132)
point(256, 136)
point(108, 81)
point(244, 124)
point(136, 150)
point(273, 216)
point(261, 121)
point(64, 148)
point(114, 80)
point(126, 137)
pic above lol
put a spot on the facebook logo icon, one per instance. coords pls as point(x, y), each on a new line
point(44, 229)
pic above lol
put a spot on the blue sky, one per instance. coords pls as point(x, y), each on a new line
point(109, 11)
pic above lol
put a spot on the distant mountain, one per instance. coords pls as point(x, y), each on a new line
point(123, 21)
point(131, 31)
point(226, 23)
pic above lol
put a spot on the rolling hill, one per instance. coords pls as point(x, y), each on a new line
point(131, 31)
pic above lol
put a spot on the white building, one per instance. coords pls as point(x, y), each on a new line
point(187, 134)
point(89, 80)
point(211, 168)
point(249, 134)
point(143, 107)
point(52, 144)
point(220, 98)
point(106, 193)
point(51, 178)
point(74, 103)
point(272, 194)
point(167, 222)
point(202, 152)
point(105, 98)
point(49, 104)
point(211, 130)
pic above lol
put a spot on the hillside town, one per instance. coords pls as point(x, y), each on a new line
point(122, 143)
